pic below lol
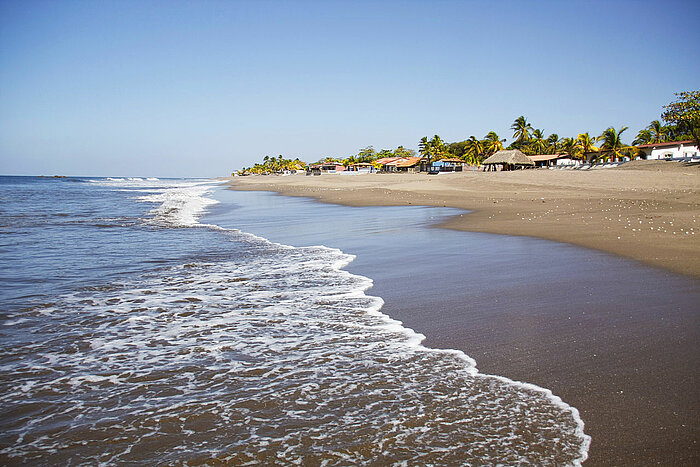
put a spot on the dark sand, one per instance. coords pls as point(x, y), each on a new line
point(627, 360)
point(618, 340)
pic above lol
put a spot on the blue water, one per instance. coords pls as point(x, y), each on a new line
point(61, 234)
point(152, 321)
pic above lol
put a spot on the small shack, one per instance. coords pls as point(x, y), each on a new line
point(508, 159)
point(362, 167)
point(448, 165)
point(547, 160)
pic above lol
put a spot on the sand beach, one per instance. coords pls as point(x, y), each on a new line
point(644, 210)
point(624, 350)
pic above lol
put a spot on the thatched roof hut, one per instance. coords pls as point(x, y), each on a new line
point(512, 157)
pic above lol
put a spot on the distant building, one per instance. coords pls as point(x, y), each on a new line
point(325, 167)
point(673, 150)
point(409, 164)
point(508, 159)
point(362, 167)
point(449, 165)
point(401, 164)
point(548, 160)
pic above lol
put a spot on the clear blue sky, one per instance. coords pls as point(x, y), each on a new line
point(201, 88)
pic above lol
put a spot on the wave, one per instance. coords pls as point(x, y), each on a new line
point(185, 207)
point(180, 206)
point(263, 353)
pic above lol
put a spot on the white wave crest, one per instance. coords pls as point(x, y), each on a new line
point(180, 206)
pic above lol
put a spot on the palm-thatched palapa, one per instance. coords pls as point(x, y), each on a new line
point(509, 158)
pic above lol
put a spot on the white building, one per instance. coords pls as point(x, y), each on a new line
point(671, 150)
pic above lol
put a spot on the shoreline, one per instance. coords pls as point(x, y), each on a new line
point(646, 211)
point(615, 340)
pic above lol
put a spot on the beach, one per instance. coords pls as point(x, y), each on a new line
point(614, 334)
point(646, 210)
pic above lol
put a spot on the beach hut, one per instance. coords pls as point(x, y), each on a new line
point(362, 167)
point(547, 160)
point(508, 159)
point(313, 169)
point(449, 165)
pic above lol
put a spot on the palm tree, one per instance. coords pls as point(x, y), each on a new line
point(643, 137)
point(553, 143)
point(585, 142)
point(492, 143)
point(424, 147)
point(659, 133)
point(474, 150)
point(612, 146)
point(434, 148)
point(571, 147)
point(521, 131)
point(438, 148)
point(538, 143)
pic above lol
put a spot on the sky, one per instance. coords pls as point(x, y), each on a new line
point(203, 88)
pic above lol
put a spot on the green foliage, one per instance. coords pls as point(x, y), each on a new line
point(586, 145)
point(492, 144)
point(613, 147)
point(521, 132)
point(474, 150)
point(684, 116)
point(571, 147)
point(435, 149)
point(643, 137)
point(273, 165)
point(403, 152)
point(553, 144)
point(367, 154)
point(538, 144)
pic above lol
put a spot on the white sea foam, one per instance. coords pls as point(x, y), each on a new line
point(413, 339)
point(274, 356)
point(181, 206)
point(180, 203)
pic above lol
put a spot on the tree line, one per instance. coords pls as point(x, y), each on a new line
point(271, 165)
point(682, 122)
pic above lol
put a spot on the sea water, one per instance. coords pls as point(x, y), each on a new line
point(133, 331)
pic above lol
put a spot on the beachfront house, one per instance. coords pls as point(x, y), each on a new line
point(549, 160)
point(409, 164)
point(448, 165)
point(401, 164)
point(386, 164)
point(673, 150)
point(361, 167)
point(508, 159)
point(324, 167)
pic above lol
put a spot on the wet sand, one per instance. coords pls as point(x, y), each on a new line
point(620, 342)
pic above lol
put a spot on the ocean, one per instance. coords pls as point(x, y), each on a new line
point(148, 321)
